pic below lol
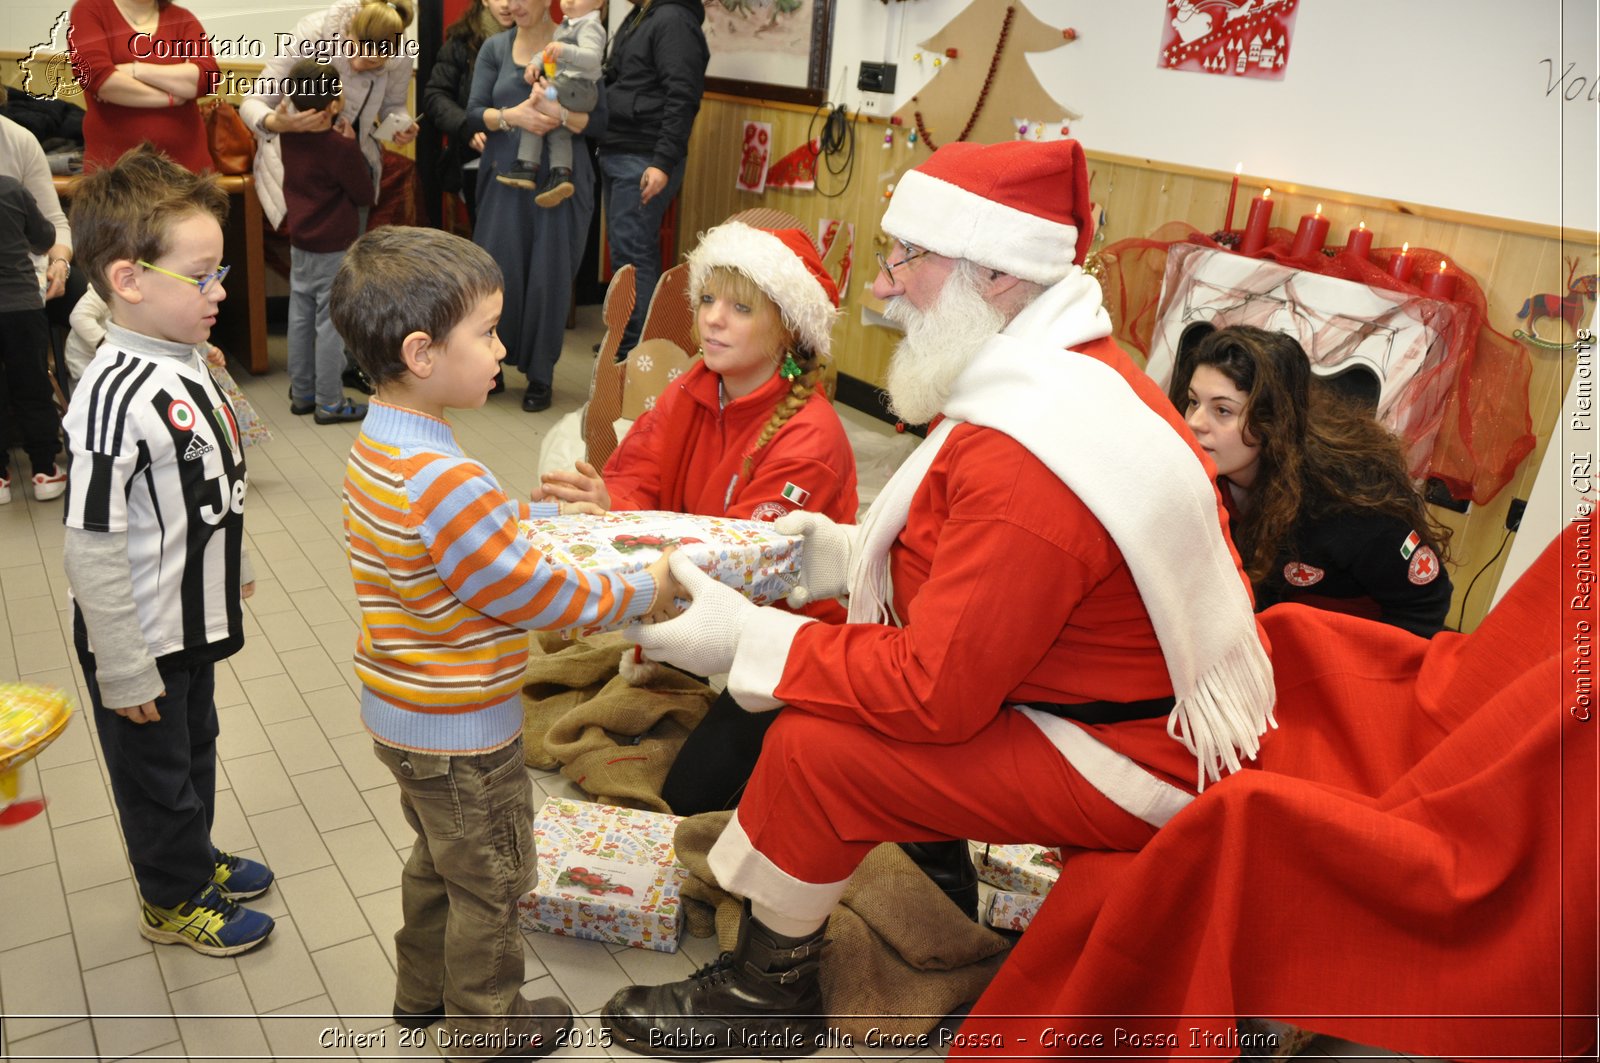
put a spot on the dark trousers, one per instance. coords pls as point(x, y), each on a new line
point(716, 759)
point(163, 776)
point(25, 393)
point(633, 230)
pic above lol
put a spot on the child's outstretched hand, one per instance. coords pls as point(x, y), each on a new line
point(533, 71)
point(583, 484)
point(664, 606)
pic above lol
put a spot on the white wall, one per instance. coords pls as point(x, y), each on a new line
point(1441, 102)
point(1438, 102)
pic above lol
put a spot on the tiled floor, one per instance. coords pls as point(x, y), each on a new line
point(298, 788)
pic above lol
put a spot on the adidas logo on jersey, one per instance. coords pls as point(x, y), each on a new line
point(198, 448)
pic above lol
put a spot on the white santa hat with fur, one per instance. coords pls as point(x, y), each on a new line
point(785, 265)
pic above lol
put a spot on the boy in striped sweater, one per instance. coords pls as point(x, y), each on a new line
point(448, 592)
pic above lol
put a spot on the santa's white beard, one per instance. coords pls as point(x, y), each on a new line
point(939, 344)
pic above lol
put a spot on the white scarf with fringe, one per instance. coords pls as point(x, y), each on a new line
point(1140, 479)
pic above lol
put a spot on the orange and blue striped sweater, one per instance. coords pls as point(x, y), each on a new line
point(448, 590)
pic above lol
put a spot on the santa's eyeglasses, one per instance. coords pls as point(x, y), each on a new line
point(912, 253)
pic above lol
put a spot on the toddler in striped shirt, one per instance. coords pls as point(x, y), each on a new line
point(448, 592)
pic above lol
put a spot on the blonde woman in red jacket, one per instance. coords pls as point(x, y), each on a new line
point(745, 432)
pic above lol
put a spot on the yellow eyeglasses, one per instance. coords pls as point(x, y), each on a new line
point(205, 283)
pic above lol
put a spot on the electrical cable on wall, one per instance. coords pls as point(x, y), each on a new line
point(1461, 617)
point(837, 138)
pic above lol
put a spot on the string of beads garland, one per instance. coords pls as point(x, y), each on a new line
point(983, 94)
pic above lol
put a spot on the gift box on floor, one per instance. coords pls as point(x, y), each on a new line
point(1017, 868)
point(606, 874)
point(1012, 911)
point(747, 555)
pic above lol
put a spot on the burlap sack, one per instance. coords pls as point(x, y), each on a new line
point(614, 740)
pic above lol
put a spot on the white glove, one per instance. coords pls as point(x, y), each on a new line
point(825, 558)
point(703, 639)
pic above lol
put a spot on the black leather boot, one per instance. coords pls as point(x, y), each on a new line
point(949, 865)
point(762, 999)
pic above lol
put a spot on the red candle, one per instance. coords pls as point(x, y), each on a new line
point(1233, 195)
point(1313, 232)
point(1359, 242)
point(1401, 265)
point(1439, 284)
point(1255, 226)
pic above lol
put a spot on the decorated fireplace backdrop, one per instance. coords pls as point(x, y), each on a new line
point(1451, 387)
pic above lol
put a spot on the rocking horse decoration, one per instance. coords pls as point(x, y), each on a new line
point(1569, 307)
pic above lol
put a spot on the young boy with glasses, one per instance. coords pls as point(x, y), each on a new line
point(154, 547)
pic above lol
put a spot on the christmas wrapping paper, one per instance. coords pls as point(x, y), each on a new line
point(747, 555)
point(252, 429)
point(1030, 869)
point(1012, 911)
point(605, 874)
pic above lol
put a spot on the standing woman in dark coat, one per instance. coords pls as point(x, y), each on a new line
point(449, 88)
point(538, 249)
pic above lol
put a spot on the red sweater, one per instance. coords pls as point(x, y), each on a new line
point(687, 455)
point(325, 180)
point(100, 38)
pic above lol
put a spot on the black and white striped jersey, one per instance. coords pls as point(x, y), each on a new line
point(156, 454)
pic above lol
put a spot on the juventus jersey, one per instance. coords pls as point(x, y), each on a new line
point(156, 454)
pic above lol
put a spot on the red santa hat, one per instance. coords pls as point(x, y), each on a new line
point(784, 264)
point(1021, 207)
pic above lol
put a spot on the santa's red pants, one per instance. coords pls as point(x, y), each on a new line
point(824, 793)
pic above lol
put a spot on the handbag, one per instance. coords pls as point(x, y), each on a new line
point(232, 146)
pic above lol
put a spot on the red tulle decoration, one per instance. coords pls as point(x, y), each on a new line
point(1486, 429)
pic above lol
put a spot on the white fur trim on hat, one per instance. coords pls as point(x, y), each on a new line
point(777, 270)
point(949, 220)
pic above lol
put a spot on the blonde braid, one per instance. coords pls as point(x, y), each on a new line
point(800, 391)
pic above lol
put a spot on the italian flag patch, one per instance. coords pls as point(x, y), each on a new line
point(1409, 547)
point(796, 494)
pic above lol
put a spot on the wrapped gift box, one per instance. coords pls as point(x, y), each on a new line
point(1017, 868)
point(606, 874)
point(1012, 911)
point(747, 555)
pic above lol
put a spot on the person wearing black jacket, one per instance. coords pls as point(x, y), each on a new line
point(655, 74)
point(444, 98)
point(1321, 503)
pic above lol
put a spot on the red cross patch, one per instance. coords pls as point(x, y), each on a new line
point(1424, 567)
point(1300, 574)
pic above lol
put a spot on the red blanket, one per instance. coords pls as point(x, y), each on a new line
point(1414, 866)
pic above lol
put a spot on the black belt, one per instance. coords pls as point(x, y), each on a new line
point(1093, 712)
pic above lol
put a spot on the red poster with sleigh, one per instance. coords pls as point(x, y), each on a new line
point(1236, 38)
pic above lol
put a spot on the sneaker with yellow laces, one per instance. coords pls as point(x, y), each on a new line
point(208, 922)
